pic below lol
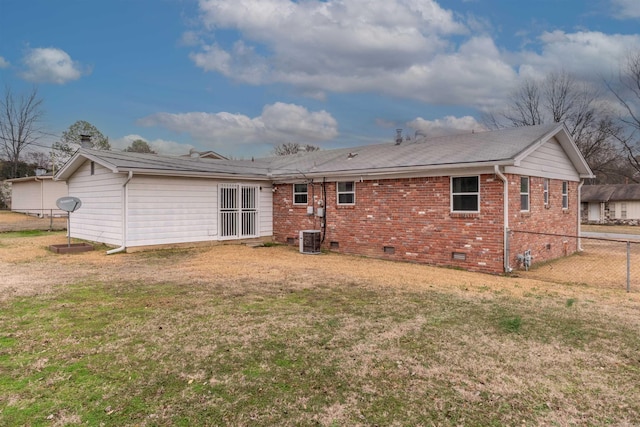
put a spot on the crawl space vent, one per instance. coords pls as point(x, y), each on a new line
point(460, 256)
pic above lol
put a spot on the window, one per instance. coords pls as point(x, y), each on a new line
point(347, 193)
point(623, 210)
point(93, 168)
point(300, 194)
point(465, 194)
point(524, 193)
point(565, 195)
point(545, 192)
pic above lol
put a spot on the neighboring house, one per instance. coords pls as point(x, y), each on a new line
point(37, 195)
point(611, 204)
point(461, 200)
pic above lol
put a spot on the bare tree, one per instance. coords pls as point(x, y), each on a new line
point(288, 148)
point(560, 98)
point(71, 140)
point(19, 124)
point(627, 92)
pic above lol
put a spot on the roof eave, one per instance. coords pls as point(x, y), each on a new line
point(383, 172)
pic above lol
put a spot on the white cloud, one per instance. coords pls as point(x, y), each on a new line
point(160, 146)
point(50, 65)
point(397, 47)
point(3, 63)
point(278, 123)
point(626, 9)
point(589, 55)
point(445, 126)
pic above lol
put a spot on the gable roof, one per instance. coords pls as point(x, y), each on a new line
point(499, 147)
point(480, 149)
point(610, 192)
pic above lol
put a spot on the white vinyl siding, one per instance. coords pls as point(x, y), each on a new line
point(100, 217)
point(164, 210)
point(549, 161)
point(37, 197)
point(626, 210)
point(266, 211)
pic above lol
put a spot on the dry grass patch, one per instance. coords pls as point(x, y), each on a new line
point(232, 335)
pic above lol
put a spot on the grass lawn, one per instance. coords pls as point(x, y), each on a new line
point(232, 335)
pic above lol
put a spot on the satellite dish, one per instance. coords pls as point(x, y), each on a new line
point(68, 204)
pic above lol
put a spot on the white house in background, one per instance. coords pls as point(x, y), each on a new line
point(133, 200)
point(611, 204)
point(37, 195)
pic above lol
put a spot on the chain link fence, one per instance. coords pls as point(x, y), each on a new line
point(599, 262)
point(33, 219)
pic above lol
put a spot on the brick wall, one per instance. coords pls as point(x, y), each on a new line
point(549, 221)
point(411, 220)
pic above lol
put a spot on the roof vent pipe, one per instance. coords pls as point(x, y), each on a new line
point(398, 136)
point(85, 141)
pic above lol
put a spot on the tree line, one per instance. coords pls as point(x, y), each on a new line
point(604, 121)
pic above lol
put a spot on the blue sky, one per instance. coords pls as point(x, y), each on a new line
point(240, 76)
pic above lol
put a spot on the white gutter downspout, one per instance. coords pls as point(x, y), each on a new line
point(505, 237)
point(125, 198)
point(41, 181)
point(580, 214)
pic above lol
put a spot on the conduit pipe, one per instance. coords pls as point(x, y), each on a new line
point(579, 246)
point(125, 198)
point(505, 237)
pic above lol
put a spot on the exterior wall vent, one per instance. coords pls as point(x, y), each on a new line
point(334, 245)
point(389, 250)
point(459, 256)
point(291, 240)
point(309, 241)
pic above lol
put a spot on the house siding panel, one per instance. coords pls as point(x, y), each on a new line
point(266, 211)
point(163, 210)
point(100, 217)
point(549, 161)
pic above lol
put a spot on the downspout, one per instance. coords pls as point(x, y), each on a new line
point(41, 181)
point(580, 214)
point(125, 197)
point(505, 237)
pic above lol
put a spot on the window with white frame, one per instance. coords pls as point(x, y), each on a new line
point(300, 194)
point(346, 193)
point(465, 194)
point(524, 193)
point(565, 195)
point(623, 210)
point(545, 192)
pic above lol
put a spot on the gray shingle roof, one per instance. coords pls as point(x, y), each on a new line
point(461, 150)
point(610, 192)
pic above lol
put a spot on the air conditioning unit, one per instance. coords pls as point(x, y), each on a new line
point(309, 241)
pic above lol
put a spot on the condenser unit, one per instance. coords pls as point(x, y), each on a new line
point(310, 241)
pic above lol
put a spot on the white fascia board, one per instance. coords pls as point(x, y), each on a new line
point(77, 160)
point(189, 174)
point(397, 173)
